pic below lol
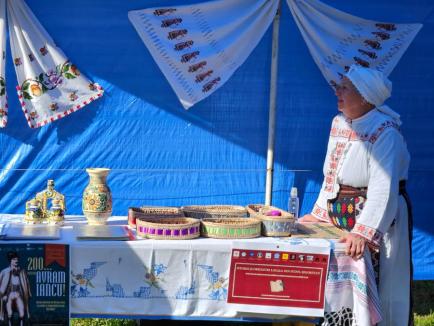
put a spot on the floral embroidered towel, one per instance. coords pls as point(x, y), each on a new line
point(3, 97)
point(49, 86)
point(336, 40)
point(198, 47)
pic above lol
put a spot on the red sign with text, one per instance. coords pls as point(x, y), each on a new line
point(278, 278)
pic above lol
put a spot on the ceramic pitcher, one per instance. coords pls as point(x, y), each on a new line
point(97, 198)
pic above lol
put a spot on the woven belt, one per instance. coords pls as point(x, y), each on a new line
point(348, 191)
point(344, 210)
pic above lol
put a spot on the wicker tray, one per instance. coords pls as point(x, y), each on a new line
point(168, 228)
point(214, 211)
point(230, 228)
point(151, 211)
point(272, 226)
point(318, 230)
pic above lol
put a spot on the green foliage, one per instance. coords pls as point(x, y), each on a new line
point(68, 75)
point(25, 86)
point(27, 96)
point(102, 322)
point(423, 294)
point(427, 320)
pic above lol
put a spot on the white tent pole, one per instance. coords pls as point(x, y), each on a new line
point(272, 107)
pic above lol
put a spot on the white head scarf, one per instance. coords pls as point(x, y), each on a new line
point(374, 87)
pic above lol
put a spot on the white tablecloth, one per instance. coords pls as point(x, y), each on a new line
point(189, 278)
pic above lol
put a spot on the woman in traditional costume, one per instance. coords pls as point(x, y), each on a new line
point(364, 187)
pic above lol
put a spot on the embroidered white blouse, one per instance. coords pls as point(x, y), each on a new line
point(365, 152)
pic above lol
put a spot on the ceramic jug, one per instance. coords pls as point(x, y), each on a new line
point(97, 198)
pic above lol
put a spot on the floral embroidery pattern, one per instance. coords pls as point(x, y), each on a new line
point(155, 276)
point(49, 86)
point(178, 34)
point(73, 96)
point(349, 135)
point(33, 115)
point(373, 235)
point(320, 213)
point(164, 11)
point(335, 156)
point(53, 107)
point(35, 87)
point(43, 50)
point(353, 135)
point(185, 292)
point(217, 284)
point(81, 282)
point(383, 127)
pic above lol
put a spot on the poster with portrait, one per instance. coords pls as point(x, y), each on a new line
point(34, 284)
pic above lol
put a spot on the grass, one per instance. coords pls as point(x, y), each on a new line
point(102, 322)
point(423, 292)
point(427, 320)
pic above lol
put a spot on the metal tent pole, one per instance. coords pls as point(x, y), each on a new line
point(272, 108)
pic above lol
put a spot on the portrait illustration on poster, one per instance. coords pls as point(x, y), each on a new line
point(14, 290)
point(34, 282)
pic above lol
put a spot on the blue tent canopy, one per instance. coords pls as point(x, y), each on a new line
point(215, 153)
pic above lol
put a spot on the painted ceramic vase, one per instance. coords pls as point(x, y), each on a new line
point(97, 198)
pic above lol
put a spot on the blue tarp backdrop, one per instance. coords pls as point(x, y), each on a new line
point(215, 153)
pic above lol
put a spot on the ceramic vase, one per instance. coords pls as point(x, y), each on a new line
point(97, 198)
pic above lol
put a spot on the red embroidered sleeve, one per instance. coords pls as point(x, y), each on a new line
point(320, 213)
point(372, 235)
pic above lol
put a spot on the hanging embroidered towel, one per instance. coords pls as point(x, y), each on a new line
point(198, 47)
point(49, 86)
point(3, 97)
point(337, 40)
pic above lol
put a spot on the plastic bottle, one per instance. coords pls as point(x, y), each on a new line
point(293, 203)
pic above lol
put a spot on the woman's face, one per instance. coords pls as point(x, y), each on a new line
point(350, 102)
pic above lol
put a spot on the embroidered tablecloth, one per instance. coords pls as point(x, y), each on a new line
point(189, 278)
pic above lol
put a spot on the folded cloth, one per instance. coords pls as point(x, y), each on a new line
point(3, 97)
point(49, 86)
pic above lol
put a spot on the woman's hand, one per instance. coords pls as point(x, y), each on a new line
point(355, 245)
point(308, 218)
